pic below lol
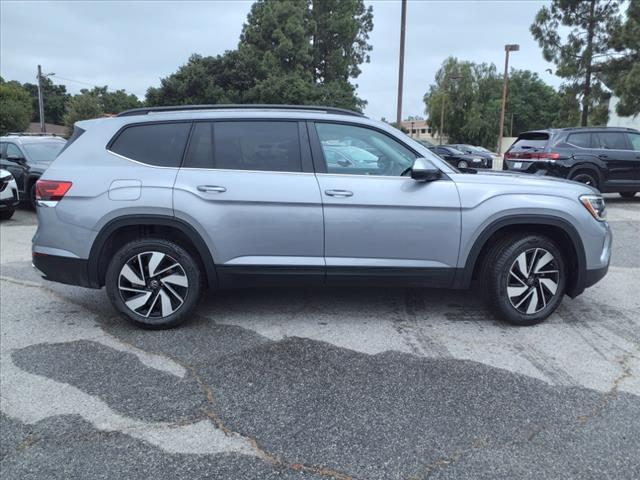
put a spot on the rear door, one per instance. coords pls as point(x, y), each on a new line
point(614, 149)
point(377, 222)
point(634, 142)
point(249, 187)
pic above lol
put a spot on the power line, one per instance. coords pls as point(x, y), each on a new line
point(76, 81)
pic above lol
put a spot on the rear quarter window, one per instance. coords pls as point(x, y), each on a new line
point(533, 140)
point(158, 144)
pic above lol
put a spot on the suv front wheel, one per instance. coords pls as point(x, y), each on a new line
point(155, 283)
point(525, 278)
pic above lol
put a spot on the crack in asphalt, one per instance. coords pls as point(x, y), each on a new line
point(270, 458)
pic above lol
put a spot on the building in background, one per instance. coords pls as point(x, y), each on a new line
point(616, 120)
point(420, 130)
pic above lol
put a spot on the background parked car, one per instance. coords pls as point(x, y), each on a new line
point(475, 151)
point(460, 159)
point(27, 157)
point(607, 158)
point(8, 195)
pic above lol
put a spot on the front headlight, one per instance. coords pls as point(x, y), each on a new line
point(595, 205)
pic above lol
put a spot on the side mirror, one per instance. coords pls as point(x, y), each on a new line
point(424, 171)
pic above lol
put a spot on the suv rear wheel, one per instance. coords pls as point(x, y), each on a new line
point(525, 278)
point(155, 283)
point(628, 194)
point(587, 178)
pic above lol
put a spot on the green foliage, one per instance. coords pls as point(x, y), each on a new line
point(473, 97)
point(55, 101)
point(583, 51)
point(293, 52)
point(15, 107)
point(622, 74)
point(84, 106)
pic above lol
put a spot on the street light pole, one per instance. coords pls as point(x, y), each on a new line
point(40, 101)
point(507, 49)
point(403, 21)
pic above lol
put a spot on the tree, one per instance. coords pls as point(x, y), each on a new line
point(55, 101)
point(15, 107)
point(585, 48)
point(295, 52)
point(622, 74)
point(84, 106)
point(113, 102)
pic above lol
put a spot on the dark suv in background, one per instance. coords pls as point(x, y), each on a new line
point(27, 156)
point(607, 158)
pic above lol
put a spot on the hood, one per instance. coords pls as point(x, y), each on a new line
point(526, 182)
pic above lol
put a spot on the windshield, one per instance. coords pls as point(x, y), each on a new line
point(43, 151)
point(455, 151)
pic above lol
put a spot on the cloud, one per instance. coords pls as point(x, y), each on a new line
point(132, 45)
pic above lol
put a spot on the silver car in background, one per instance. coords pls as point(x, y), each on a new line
point(159, 204)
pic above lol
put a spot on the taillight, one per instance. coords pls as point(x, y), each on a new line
point(532, 156)
point(51, 190)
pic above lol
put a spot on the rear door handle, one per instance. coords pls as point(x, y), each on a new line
point(603, 156)
point(339, 193)
point(211, 188)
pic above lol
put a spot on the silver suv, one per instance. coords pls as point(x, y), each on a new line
point(159, 204)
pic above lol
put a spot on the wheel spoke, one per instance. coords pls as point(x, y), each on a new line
point(516, 291)
point(549, 284)
point(153, 304)
point(135, 290)
point(532, 307)
point(160, 272)
point(165, 304)
point(136, 302)
point(141, 265)
point(522, 300)
point(542, 261)
point(128, 273)
point(180, 280)
point(156, 259)
point(522, 264)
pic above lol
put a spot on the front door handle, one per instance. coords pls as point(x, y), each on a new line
point(211, 189)
point(339, 193)
point(603, 156)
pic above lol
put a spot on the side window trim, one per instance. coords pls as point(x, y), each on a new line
point(318, 153)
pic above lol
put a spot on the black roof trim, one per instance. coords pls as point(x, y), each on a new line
point(188, 108)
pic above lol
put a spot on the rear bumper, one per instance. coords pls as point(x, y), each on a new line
point(72, 271)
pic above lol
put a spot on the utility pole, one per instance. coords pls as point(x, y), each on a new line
point(403, 21)
point(43, 129)
point(507, 49)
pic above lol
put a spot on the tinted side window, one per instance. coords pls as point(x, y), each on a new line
point(611, 141)
point(634, 140)
point(263, 146)
point(160, 144)
point(582, 139)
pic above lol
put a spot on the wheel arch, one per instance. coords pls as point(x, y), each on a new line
point(118, 231)
point(559, 229)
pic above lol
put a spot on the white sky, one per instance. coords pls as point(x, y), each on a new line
point(131, 45)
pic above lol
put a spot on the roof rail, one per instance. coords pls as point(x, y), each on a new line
point(247, 106)
point(29, 134)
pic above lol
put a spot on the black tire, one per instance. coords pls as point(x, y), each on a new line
point(135, 254)
point(587, 178)
point(499, 282)
point(6, 214)
point(32, 196)
point(628, 195)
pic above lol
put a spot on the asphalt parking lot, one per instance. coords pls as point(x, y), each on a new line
point(341, 383)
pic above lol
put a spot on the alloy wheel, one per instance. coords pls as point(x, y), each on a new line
point(463, 164)
point(153, 284)
point(533, 280)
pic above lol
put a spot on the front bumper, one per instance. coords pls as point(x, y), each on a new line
point(9, 196)
point(72, 271)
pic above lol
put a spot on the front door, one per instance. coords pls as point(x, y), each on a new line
point(14, 161)
point(614, 149)
point(379, 224)
point(634, 141)
point(250, 188)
